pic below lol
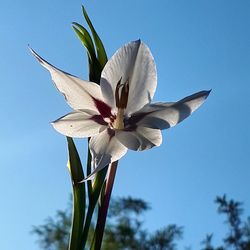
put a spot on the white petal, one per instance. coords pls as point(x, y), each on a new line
point(78, 93)
point(104, 148)
point(140, 139)
point(165, 115)
point(80, 124)
point(133, 62)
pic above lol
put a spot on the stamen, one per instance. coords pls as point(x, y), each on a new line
point(124, 95)
point(121, 97)
point(117, 98)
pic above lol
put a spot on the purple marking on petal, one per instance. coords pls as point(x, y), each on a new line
point(130, 128)
point(134, 119)
point(103, 108)
point(111, 133)
point(98, 119)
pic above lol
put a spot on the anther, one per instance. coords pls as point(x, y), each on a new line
point(117, 98)
point(121, 97)
point(124, 95)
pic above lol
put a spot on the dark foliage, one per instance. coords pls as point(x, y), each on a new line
point(125, 228)
point(125, 231)
point(54, 234)
point(238, 236)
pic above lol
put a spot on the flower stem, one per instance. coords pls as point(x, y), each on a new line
point(93, 199)
point(103, 210)
point(86, 227)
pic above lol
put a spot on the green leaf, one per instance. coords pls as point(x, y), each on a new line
point(94, 71)
point(79, 200)
point(94, 65)
point(86, 40)
point(101, 53)
point(93, 198)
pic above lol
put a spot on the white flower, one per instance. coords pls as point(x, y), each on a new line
point(118, 115)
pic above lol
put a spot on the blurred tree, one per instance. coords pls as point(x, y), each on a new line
point(238, 236)
point(208, 243)
point(125, 231)
point(54, 234)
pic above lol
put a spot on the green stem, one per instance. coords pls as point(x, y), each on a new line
point(77, 219)
point(89, 183)
point(103, 211)
point(86, 226)
point(93, 198)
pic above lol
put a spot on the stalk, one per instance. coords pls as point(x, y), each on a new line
point(103, 210)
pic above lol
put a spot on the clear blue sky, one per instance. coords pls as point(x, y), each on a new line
point(197, 45)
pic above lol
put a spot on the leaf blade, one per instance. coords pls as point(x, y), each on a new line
point(101, 53)
point(85, 38)
point(79, 199)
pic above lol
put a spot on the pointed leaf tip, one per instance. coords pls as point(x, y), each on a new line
point(86, 40)
point(101, 53)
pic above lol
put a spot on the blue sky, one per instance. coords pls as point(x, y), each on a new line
point(197, 45)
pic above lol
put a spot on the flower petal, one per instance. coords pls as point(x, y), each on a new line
point(104, 148)
point(140, 139)
point(165, 115)
point(80, 124)
point(78, 93)
point(134, 63)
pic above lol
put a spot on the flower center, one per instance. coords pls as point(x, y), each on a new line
point(121, 99)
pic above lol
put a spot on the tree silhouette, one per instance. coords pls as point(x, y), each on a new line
point(238, 236)
point(125, 231)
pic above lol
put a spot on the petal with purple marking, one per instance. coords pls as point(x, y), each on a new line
point(166, 115)
point(80, 124)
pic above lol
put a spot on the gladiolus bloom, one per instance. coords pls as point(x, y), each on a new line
point(118, 114)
